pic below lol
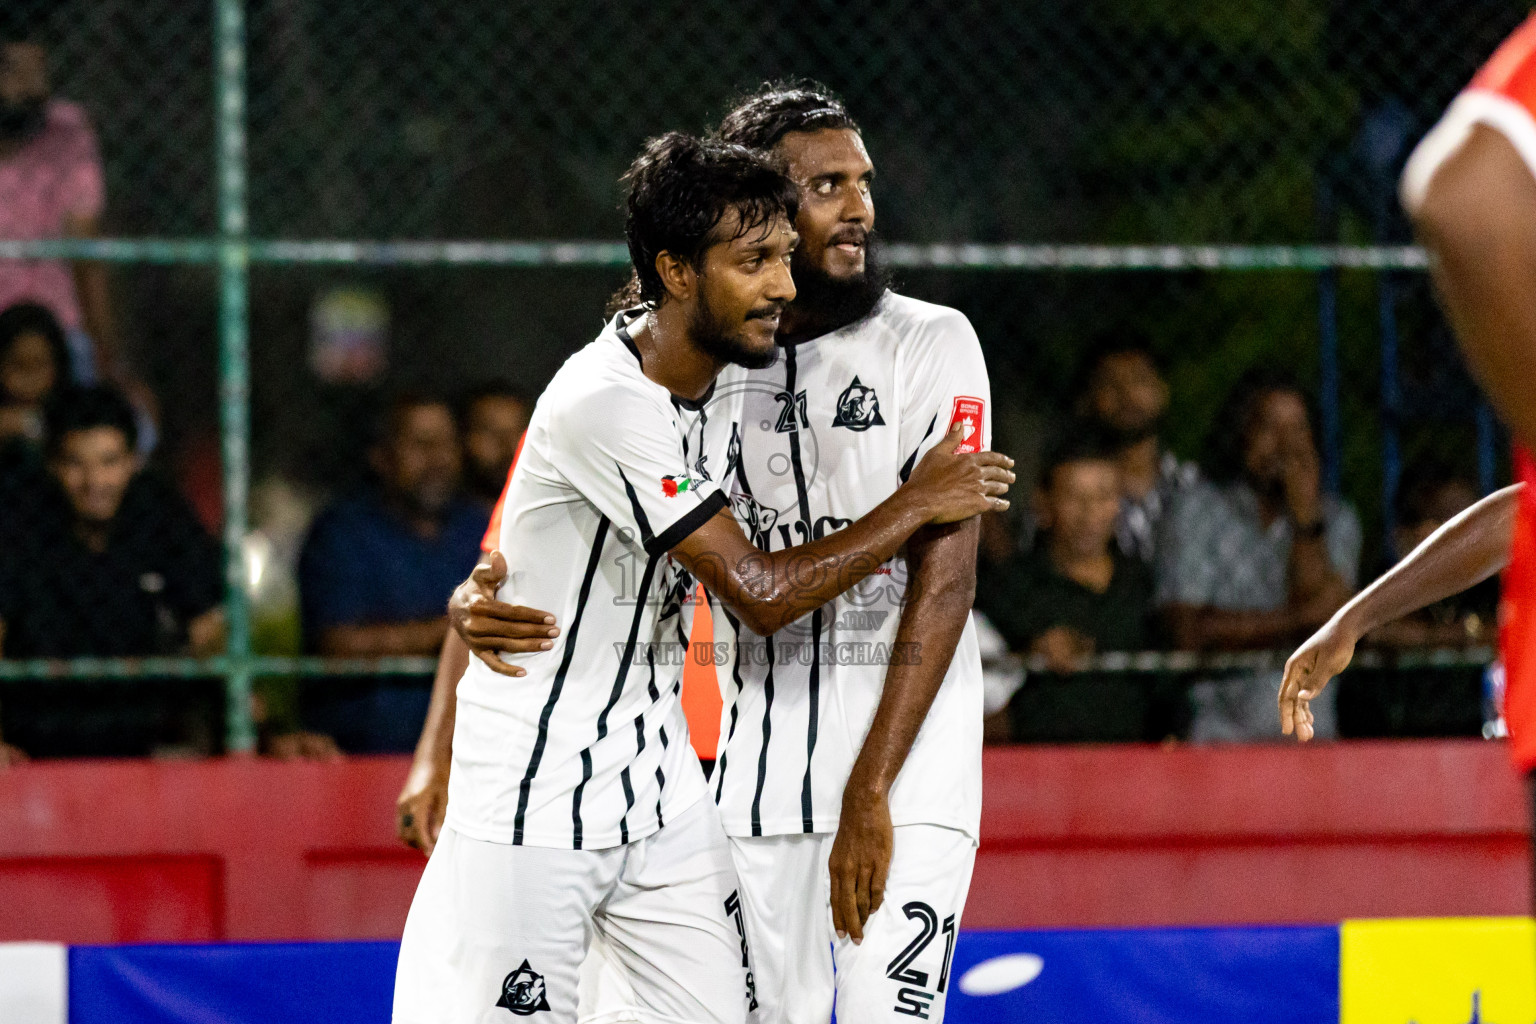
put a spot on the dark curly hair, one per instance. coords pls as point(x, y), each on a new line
point(680, 188)
point(759, 120)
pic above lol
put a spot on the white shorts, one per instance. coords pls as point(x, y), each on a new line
point(901, 969)
point(497, 932)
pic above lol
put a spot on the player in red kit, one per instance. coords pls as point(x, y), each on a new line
point(1470, 187)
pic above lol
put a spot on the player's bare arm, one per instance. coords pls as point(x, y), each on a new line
point(767, 591)
point(1461, 554)
point(941, 562)
point(1478, 220)
point(423, 801)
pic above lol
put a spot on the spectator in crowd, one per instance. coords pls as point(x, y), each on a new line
point(376, 571)
point(1124, 396)
point(117, 567)
point(1256, 558)
point(51, 187)
point(492, 419)
point(34, 362)
point(1415, 702)
point(1076, 595)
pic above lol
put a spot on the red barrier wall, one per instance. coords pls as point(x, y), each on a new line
point(244, 849)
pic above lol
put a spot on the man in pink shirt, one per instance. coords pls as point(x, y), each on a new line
point(51, 187)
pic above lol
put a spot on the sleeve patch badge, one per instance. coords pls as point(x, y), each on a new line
point(672, 486)
point(971, 414)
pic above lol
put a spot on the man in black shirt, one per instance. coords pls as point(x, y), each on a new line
point(108, 562)
point(1075, 595)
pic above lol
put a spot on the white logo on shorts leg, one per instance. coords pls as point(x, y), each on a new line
point(522, 991)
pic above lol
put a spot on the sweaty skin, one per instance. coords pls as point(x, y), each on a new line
point(942, 566)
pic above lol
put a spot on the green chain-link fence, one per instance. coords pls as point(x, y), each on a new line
point(459, 163)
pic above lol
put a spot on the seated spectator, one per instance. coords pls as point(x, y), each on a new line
point(376, 571)
point(51, 186)
point(1422, 702)
point(117, 566)
point(34, 362)
point(1124, 396)
point(1256, 558)
point(1076, 595)
point(492, 419)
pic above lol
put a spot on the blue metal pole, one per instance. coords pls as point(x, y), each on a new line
point(1328, 373)
point(1487, 447)
point(1391, 411)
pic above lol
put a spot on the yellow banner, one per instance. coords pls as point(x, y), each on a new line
point(1438, 971)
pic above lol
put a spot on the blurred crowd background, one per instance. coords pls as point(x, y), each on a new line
point(1173, 426)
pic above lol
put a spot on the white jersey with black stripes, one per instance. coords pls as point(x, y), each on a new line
point(590, 749)
point(827, 433)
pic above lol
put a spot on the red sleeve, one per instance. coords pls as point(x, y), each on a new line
point(493, 531)
point(1511, 71)
point(1517, 620)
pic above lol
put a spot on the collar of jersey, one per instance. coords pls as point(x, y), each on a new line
point(621, 321)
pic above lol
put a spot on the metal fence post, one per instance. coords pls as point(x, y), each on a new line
point(1328, 378)
point(1391, 412)
point(234, 360)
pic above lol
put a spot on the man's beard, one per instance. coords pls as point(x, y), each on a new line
point(828, 303)
point(21, 122)
point(720, 342)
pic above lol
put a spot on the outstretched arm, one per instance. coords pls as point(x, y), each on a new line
point(1462, 553)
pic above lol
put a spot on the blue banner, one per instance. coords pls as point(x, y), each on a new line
point(236, 983)
point(1271, 975)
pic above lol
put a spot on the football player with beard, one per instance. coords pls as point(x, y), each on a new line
point(849, 778)
point(577, 809)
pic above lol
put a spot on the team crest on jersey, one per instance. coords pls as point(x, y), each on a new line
point(522, 992)
point(970, 413)
point(858, 408)
point(672, 486)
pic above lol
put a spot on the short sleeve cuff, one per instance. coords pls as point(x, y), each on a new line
point(684, 528)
